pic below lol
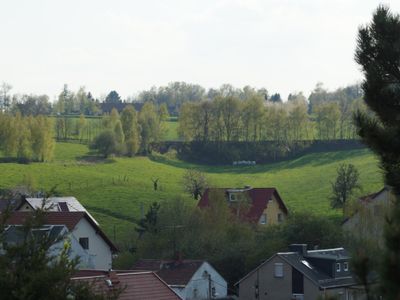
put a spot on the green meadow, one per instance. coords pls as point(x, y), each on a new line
point(116, 191)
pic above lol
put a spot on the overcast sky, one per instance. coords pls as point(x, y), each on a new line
point(128, 46)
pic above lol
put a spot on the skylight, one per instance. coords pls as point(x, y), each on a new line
point(304, 262)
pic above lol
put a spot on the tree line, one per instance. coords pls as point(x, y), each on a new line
point(27, 138)
point(230, 119)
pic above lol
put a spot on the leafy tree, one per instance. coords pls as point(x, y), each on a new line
point(194, 182)
point(345, 184)
point(131, 129)
point(150, 126)
point(113, 97)
point(275, 97)
point(105, 143)
point(378, 53)
point(150, 220)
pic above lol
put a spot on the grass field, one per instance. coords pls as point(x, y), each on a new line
point(115, 190)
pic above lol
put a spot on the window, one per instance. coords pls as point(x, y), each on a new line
point(280, 217)
point(84, 242)
point(232, 197)
point(278, 270)
point(337, 267)
point(263, 219)
point(345, 266)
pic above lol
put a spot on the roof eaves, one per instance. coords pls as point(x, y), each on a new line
point(255, 269)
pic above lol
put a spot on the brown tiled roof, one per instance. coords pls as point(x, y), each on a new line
point(70, 219)
point(259, 198)
point(134, 285)
point(171, 271)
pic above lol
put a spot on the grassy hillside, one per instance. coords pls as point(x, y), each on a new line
point(114, 191)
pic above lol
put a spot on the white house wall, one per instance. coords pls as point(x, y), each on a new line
point(76, 250)
point(99, 250)
point(201, 283)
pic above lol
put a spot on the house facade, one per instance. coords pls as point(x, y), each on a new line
point(368, 220)
point(302, 274)
point(262, 206)
point(87, 240)
point(190, 279)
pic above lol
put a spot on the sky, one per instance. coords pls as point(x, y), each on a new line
point(128, 46)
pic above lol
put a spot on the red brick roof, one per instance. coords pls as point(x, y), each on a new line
point(68, 218)
point(259, 201)
point(171, 271)
point(134, 285)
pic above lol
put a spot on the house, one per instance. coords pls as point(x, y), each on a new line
point(86, 238)
point(262, 206)
point(130, 285)
point(367, 222)
point(190, 279)
point(302, 274)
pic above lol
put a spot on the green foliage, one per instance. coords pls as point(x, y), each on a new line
point(26, 138)
point(150, 125)
point(131, 130)
point(106, 143)
point(113, 97)
point(378, 53)
point(345, 184)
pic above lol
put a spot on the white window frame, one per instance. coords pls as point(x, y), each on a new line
point(232, 197)
point(345, 266)
point(338, 267)
point(263, 219)
point(278, 270)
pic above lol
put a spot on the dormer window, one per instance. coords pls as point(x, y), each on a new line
point(345, 266)
point(337, 267)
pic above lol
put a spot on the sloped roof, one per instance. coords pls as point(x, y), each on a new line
point(259, 197)
point(171, 271)
point(69, 219)
point(57, 204)
point(134, 285)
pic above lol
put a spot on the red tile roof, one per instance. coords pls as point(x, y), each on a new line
point(259, 197)
point(68, 218)
point(171, 271)
point(134, 285)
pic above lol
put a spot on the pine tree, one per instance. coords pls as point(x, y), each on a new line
point(378, 53)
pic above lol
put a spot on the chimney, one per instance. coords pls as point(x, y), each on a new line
point(299, 248)
point(113, 277)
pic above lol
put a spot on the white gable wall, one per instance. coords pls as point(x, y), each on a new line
point(201, 284)
point(99, 250)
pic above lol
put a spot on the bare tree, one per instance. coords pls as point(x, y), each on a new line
point(4, 97)
point(194, 182)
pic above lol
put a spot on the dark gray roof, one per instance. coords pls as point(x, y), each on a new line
point(315, 274)
point(14, 234)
